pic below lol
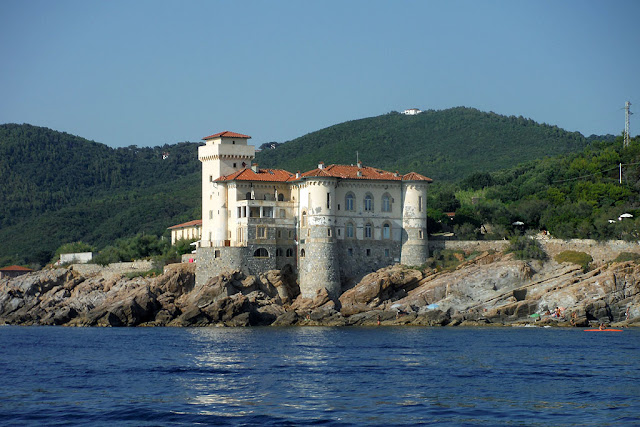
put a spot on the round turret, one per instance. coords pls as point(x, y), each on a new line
point(415, 249)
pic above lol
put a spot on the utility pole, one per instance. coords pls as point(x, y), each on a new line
point(627, 113)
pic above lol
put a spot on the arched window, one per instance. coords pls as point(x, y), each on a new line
point(248, 196)
point(301, 253)
point(386, 231)
point(368, 231)
point(349, 202)
point(304, 218)
point(368, 203)
point(386, 203)
point(281, 197)
point(289, 253)
point(261, 253)
point(350, 231)
point(279, 252)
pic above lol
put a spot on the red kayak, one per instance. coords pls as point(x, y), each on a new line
point(603, 330)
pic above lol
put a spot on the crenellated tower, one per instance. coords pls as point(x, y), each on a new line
point(224, 153)
point(318, 265)
point(415, 248)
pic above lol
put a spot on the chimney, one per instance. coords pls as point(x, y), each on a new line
point(254, 167)
point(321, 165)
point(298, 175)
point(395, 173)
point(359, 164)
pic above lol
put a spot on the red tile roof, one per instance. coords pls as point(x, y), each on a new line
point(194, 223)
point(15, 268)
point(226, 134)
point(269, 175)
point(366, 172)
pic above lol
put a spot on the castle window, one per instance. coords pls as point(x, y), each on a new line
point(328, 232)
point(368, 252)
point(386, 231)
point(278, 252)
point(210, 178)
point(368, 203)
point(350, 251)
point(290, 234)
point(349, 230)
point(279, 234)
point(328, 200)
point(386, 253)
point(339, 232)
point(349, 202)
point(283, 213)
point(420, 234)
point(261, 253)
point(216, 253)
point(419, 203)
point(368, 231)
point(267, 212)
point(301, 253)
point(210, 214)
point(281, 197)
point(261, 232)
point(304, 218)
point(386, 203)
point(248, 196)
point(289, 253)
point(235, 165)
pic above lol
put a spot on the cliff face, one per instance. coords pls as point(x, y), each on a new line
point(491, 289)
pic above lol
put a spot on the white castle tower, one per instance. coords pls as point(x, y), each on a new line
point(224, 153)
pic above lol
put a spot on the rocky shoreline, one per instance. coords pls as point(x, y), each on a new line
point(493, 289)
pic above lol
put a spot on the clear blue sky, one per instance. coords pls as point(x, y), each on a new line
point(154, 72)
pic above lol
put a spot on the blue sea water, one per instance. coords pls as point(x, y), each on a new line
point(323, 376)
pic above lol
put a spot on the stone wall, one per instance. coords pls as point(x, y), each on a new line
point(213, 261)
point(356, 262)
point(114, 268)
point(601, 252)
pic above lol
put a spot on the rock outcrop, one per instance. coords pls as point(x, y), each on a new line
point(492, 289)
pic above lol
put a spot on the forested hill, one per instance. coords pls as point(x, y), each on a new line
point(443, 145)
point(57, 188)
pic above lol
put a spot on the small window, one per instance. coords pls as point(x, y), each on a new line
point(349, 202)
point(368, 252)
point(328, 200)
point(301, 253)
point(350, 251)
point(261, 253)
point(261, 232)
point(289, 253)
point(216, 253)
point(210, 178)
point(386, 231)
point(420, 234)
point(368, 203)
point(210, 214)
point(248, 196)
point(279, 234)
point(281, 197)
point(368, 231)
point(235, 165)
point(328, 232)
point(386, 253)
point(283, 213)
point(278, 252)
point(304, 218)
point(419, 203)
point(339, 232)
point(349, 230)
point(386, 203)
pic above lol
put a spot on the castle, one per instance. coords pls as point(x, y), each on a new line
point(330, 225)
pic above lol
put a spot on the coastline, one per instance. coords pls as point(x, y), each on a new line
point(491, 290)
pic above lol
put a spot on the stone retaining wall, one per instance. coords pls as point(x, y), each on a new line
point(114, 268)
point(601, 252)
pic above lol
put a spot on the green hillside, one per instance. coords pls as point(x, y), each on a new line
point(443, 145)
point(578, 195)
point(58, 188)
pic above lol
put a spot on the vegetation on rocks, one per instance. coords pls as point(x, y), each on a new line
point(575, 257)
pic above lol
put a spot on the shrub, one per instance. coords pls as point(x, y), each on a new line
point(574, 257)
point(627, 256)
point(526, 248)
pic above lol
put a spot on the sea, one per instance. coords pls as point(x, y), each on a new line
point(342, 376)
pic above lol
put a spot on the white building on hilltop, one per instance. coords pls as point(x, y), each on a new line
point(330, 225)
point(412, 111)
